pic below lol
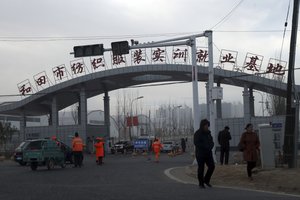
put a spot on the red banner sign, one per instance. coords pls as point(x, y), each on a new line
point(132, 121)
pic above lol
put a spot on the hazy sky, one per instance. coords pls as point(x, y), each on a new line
point(37, 35)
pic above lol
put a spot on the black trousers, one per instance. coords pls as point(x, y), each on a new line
point(224, 152)
point(183, 148)
point(78, 157)
point(209, 161)
point(250, 166)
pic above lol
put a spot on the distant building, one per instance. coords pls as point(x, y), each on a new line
point(229, 110)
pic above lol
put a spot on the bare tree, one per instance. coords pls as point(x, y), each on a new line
point(276, 105)
point(121, 116)
point(6, 132)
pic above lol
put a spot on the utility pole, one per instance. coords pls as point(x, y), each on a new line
point(290, 122)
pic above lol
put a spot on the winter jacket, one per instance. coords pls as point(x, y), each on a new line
point(99, 149)
point(223, 139)
point(250, 143)
point(203, 142)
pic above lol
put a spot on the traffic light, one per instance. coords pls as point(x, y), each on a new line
point(120, 48)
point(88, 50)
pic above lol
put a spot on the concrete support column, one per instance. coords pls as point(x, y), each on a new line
point(207, 101)
point(251, 101)
point(106, 114)
point(82, 113)
point(50, 118)
point(54, 116)
point(23, 125)
point(219, 105)
point(246, 99)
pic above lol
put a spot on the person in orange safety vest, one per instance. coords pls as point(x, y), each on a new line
point(77, 147)
point(156, 146)
point(99, 145)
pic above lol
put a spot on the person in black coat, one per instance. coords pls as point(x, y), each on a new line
point(223, 139)
point(183, 144)
point(204, 145)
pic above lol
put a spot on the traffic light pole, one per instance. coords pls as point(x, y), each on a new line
point(185, 40)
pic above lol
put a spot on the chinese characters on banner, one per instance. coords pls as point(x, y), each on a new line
point(202, 56)
point(180, 55)
point(60, 73)
point(97, 63)
point(41, 80)
point(228, 59)
point(158, 55)
point(277, 68)
point(77, 67)
point(118, 60)
point(25, 88)
point(253, 63)
point(138, 56)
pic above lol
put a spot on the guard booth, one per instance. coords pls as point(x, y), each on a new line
point(271, 142)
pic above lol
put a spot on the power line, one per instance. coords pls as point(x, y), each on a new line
point(105, 37)
point(227, 16)
point(71, 38)
point(285, 25)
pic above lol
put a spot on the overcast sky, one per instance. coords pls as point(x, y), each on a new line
point(37, 35)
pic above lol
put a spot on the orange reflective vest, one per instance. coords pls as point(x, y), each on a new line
point(99, 149)
point(156, 146)
point(77, 144)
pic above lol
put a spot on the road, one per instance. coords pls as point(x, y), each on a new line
point(121, 177)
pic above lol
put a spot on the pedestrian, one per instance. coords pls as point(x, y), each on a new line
point(99, 145)
point(156, 146)
point(223, 139)
point(77, 147)
point(250, 145)
point(183, 144)
point(204, 145)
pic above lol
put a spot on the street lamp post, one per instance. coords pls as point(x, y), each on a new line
point(131, 116)
point(175, 120)
point(262, 103)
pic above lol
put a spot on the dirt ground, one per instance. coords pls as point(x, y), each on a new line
point(276, 180)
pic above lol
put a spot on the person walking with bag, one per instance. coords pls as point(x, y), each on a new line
point(204, 145)
point(249, 144)
point(223, 139)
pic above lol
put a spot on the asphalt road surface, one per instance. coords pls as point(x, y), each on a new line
point(121, 177)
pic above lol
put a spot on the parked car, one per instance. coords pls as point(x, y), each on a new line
point(169, 146)
point(18, 154)
point(122, 146)
point(43, 152)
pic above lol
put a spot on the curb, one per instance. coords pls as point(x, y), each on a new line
point(189, 172)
